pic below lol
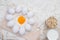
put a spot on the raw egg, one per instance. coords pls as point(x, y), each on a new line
point(21, 20)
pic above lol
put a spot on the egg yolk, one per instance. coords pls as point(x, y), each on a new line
point(21, 20)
